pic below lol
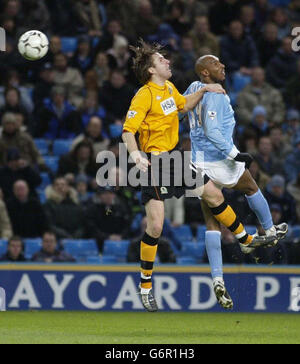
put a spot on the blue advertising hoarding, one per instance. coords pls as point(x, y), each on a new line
point(177, 288)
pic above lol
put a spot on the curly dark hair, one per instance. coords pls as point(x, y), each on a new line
point(143, 59)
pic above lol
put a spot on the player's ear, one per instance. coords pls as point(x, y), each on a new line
point(151, 70)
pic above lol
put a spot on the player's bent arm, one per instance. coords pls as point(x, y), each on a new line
point(193, 99)
point(134, 152)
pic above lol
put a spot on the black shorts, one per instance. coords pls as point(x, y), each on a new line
point(176, 185)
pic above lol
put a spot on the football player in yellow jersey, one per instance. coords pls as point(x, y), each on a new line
point(153, 113)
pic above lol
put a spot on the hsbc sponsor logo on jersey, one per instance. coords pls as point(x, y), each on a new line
point(168, 106)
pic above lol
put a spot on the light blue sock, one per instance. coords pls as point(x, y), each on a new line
point(214, 252)
point(258, 204)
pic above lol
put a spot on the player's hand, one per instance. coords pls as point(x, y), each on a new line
point(244, 157)
point(140, 162)
point(214, 87)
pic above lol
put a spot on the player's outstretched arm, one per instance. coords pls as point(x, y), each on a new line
point(193, 99)
point(134, 152)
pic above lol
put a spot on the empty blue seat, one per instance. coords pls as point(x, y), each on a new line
point(183, 232)
point(42, 146)
point(201, 232)
point(186, 260)
point(46, 181)
point(115, 130)
point(3, 246)
point(193, 249)
point(61, 147)
point(68, 44)
point(81, 249)
point(52, 163)
point(42, 196)
point(239, 81)
point(32, 246)
point(93, 260)
point(117, 249)
point(109, 259)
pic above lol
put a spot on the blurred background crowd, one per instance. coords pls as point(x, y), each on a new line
point(58, 113)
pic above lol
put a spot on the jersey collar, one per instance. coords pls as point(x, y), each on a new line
point(152, 84)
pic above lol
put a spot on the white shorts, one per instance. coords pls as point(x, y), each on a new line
point(224, 173)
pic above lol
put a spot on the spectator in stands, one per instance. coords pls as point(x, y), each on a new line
point(268, 44)
point(13, 137)
point(203, 38)
point(87, 17)
point(293, 189)
point(146, 23)
point(44, 85)
point(267, 163)
point(292, 125)
point(120, 20)
point(26, 213)
point(93, 133)
point(292, 89)
point(276, 194)
point(283, 65)
point(80, 160)
point(83, 56)
point(115, 96)
point(49, 252)
point(69, 78)
point(57, 118)
point(222, 13)
point(5, 223)
point(164, 250)
point(260, 177)
point(279, 146)
point(16, 169)
point(12, 97)
point(107, 217)
point(102, 68)
point(259, 92)
point(280, 17)
point(64, 213)
point(185, 59)
point(15, 251)
point(238, 50)
point(34, 15)
point(247, 18)
point(119, 55)
point(13, 80)
point(81, 184)
point(91, 108)
point(177, 18)
point(260, 123)
point(292, 162)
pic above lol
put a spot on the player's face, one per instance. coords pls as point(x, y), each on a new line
point(161, 66)
point(216, 69)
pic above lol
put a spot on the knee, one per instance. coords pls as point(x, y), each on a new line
point(214, 200)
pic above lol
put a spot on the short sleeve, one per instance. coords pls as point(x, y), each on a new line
point(140, 105)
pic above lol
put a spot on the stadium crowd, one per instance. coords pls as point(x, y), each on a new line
point(58, 113)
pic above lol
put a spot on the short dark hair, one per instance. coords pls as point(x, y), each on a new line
point(143, 60)
point(16, 238)
point(49, 232)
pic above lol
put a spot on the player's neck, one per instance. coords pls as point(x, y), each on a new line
point(158, 80)
point(207, 80)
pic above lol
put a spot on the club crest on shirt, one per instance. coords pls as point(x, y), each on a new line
point(168, 106)
point(170, 90)
point(212, 114)
point(131, 114)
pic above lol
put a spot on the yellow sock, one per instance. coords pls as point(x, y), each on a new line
point(148, 254)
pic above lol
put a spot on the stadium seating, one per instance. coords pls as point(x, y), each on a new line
point(186, 260)
point(52, 163)
point(32, 246)
point(46, 181)
point(42, 145)
point(42, 196)
point(239, 81)
point(183, 232)
point(81, 249)
point(109, 259)
point(61, 147)
point(68, 44)
point(93, 260)
point(251, 229)
point(115, 130)
point(193, 249)
point(3, 246)
point(201, 232)
point(117, 249)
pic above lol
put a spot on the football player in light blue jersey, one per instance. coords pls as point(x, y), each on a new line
point(212, 124)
